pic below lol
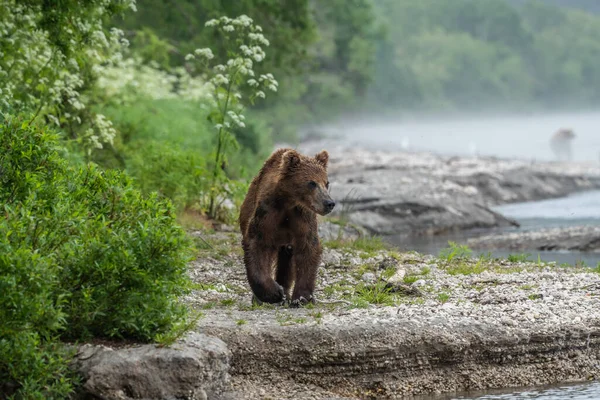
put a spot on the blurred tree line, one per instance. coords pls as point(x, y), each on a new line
point(344, 55)
point(464, 53)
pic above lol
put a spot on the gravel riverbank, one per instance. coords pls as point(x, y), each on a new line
point(389, 325)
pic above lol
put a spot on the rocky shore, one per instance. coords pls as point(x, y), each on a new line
point(395, 193)
point(386, 325)
point(575, 238)
point(389, 325)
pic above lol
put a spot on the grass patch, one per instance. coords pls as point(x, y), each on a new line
point(209, 305)
point(203, 286)
point(377, 294)
point(526, 287)
point(388, 272)
point(367, 244)
point(227, 302)
point(465, 268)
point(412, 278)
point(219, 249)
point(285, 319)
point(168, 338)
point(519, 257)
point(240, 322)
point(454, 251)
point(443, 297)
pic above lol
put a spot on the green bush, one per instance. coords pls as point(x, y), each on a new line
point(82, 254)
point(166, 146)
point(175, 173)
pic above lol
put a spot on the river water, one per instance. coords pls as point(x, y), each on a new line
point(586, 391)
point(577, 209)
point(525, 137)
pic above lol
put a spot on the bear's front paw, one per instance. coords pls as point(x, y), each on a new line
point(301, 301)
point(272, 293)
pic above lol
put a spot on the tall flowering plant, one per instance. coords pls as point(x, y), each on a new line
point(230, 86)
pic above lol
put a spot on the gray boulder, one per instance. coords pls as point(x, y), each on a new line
point(196, 367)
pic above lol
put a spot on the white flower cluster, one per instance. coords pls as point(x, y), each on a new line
point(100, 132)
point(227, 79)
point(131, 79)
point(35, 74)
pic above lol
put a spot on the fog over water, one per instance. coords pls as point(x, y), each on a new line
point(522, 136)
point(508, 136)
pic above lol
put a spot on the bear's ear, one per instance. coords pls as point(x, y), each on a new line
point(290, 160)
point(323, 158)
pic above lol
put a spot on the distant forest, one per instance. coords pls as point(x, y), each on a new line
point(587, 5)
point(345, 56)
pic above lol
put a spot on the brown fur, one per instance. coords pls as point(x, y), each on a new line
point(278, 220)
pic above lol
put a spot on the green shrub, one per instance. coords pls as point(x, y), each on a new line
point(177, 174)
point(166, 144)
point(82, 254)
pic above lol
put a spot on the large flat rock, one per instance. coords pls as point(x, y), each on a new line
point(394, 352)
point(391, 192)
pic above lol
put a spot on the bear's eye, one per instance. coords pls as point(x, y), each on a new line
point(312, 184)
point(327, 185)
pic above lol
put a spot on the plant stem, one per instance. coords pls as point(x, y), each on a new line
point(211, 207)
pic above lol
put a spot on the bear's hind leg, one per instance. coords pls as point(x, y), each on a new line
point(285, 271)
point(259, 266)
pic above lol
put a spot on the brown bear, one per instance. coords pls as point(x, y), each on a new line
point(278, 220)
point(561, 144)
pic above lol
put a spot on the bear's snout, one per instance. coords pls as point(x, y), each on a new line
point(328, 205)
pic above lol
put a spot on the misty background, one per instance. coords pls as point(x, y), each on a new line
point(493, 77)
point(398, 57)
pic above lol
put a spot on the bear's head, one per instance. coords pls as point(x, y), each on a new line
point(305, 180)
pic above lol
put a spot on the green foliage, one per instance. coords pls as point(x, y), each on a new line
point(228, 81)
point(466, 268)
point(518, 257)
point(82, 254)
point(413, 277)
point(443, 297)
point(49, 55)
point(366, 244)
point(165, 145)
point(377, 293)
point(454, 251)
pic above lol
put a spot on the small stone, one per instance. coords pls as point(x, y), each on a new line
point(331, 257)
point(369, 277)
point(419, 283)
point(398, 276)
